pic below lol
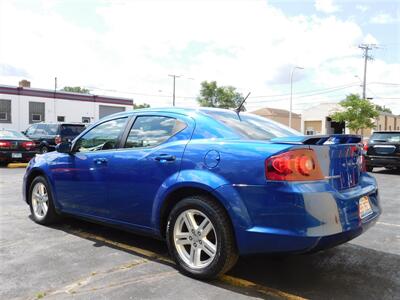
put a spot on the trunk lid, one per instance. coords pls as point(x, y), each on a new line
point(339, 156)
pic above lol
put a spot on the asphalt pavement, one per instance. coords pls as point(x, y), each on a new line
point(80, 260)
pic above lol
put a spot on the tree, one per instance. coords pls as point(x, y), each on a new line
point(383, 109)
point(139, 106)
point(223, 97)
point(75, 89)
point(357, 113)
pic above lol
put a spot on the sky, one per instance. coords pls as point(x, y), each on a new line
point(129, 48)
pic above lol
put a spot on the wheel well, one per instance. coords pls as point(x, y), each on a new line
point(29, 180)
point(178, 195)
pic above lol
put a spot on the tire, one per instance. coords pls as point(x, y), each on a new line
point(44, 149)
point(43, 212)
point(369, 169)
point(220, 237)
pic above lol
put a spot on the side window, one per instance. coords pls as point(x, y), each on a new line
point(102, 137)
point(41, 130)
point(148, 131)
point(31, 130)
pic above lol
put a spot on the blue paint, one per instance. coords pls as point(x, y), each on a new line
point(128, 187)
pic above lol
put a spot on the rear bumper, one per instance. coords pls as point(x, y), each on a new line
point(6, 156)
point(300, 217)
point(382, 161)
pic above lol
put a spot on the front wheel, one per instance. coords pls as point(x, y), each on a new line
point(44, 149)
point(41, 202)
point(200, 238)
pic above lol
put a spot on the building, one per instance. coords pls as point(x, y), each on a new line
point(316, 120)
point(280, 116)
point(21, 106)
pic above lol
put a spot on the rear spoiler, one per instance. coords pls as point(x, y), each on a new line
point(319, 139)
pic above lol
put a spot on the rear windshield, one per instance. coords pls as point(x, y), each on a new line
point(11, 134)
point(251, 126)
point(71, 130)
point(390, 137)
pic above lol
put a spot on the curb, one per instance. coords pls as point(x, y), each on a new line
point(17, 165)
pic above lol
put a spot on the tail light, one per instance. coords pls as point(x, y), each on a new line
point(5, 144)
point(28, 145)
point(294, 165)
point(57, 139)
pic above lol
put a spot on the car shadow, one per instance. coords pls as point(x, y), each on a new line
point(345, 272)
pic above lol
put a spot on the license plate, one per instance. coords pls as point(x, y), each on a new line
point(16, 155)
point(364, 207)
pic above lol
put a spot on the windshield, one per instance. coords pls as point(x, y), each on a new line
point(11, 134)
point(251, 126)
point(390, 137)
point(71, 130)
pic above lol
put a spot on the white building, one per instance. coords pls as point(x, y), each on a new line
point(22, 106)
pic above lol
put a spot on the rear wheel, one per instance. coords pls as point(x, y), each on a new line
point(200, 238)
point(41, 202)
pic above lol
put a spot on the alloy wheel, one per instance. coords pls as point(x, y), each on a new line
point(40, 200)
point(195, 239)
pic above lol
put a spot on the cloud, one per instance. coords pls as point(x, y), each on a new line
point(384, 18)
point(8, 70)
point(248, 44)
point(362, 8)
point(326, 6)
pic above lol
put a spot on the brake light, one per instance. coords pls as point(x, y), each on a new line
point(57, 139)
point(365, 147)
point(5, 144)
point(28, 145)
point(294, 165)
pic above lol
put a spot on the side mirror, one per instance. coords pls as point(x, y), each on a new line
point(64, 147)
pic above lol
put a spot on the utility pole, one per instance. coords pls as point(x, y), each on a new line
point(291, 94)
point(173, 89)
point(366, 48)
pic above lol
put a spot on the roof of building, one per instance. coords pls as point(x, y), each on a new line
point(23, 91)
point(268, 111)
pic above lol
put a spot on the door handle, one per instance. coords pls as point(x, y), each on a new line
point(100, 161)
point(165, 157)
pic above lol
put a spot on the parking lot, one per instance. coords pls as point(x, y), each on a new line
point(80, 260)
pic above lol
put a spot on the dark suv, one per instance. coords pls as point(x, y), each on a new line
point(383, 150)
point(47, 135)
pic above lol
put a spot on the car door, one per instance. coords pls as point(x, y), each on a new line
point(152, 155)
point(81, 177)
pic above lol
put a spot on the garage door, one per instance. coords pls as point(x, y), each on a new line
point(105, 110)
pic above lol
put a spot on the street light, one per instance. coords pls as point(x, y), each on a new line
point(291, 93)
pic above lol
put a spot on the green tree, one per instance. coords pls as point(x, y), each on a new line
point(211, 95)
point(357, 113)
point(383, 109)
point(139, 106)
point(75, 89)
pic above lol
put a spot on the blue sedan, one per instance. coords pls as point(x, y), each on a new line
point(215, 184)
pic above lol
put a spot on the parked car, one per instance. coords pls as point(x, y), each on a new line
point(15, 147)
point(213, 183)
point(48, 135)
point(383, 150)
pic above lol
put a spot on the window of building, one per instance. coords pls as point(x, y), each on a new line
point(148, 131)
point(390, 127)
point(102, 137)
point(85, 119)
point(36, 117)
point(5, 111)
point(380, 127)
point(60, 118)
point(36, 112)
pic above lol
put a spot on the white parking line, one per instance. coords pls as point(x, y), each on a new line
point(388, 224)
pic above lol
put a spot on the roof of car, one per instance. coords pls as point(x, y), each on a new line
point(178, 110)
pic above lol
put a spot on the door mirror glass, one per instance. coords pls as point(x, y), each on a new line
point(64, 147)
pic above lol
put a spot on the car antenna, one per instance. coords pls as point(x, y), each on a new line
point(241, 103)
